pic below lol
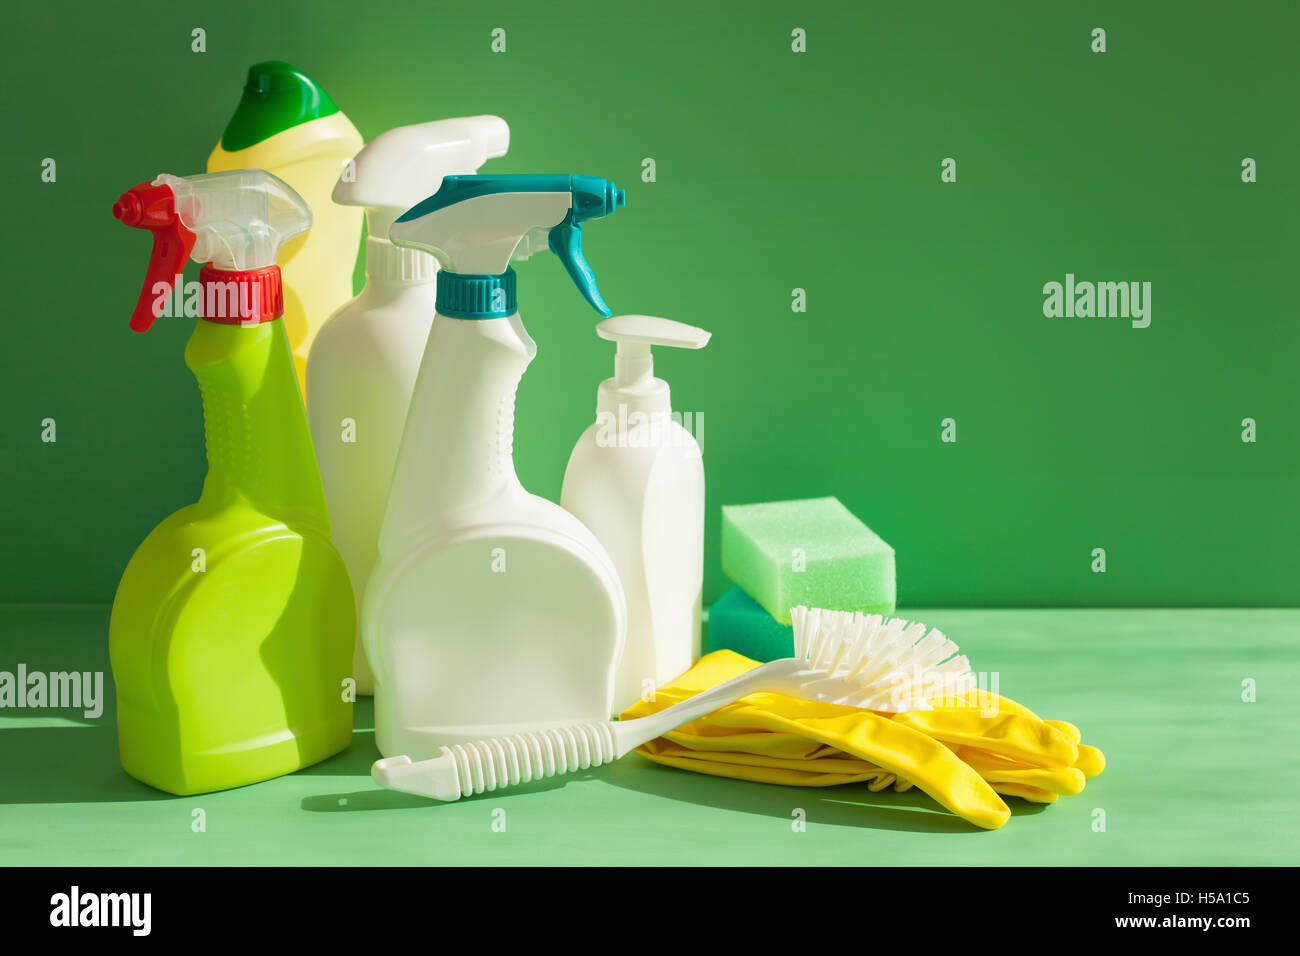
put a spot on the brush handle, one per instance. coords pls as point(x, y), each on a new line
point(495, 763)
point(630, 734)
point(462, 770)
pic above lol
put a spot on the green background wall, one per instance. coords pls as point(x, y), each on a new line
point(775, 171)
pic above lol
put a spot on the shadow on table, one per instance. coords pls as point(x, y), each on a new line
point(77, 762)
point(361, 753)
point(851, 805)
point(356, 761)
point(67, 763)
point(377, 798)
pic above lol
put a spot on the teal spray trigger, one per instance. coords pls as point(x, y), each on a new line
point(592, 199)
point(476, 225)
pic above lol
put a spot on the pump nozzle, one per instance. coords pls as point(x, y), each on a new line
point(476, 225)
point(235, 220)
point(634, 383)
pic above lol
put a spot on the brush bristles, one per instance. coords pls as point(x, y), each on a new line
point(895, 664)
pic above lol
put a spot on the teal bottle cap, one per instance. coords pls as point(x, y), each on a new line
point(477, 297)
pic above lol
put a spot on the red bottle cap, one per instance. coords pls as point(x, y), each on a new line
point(241, 298)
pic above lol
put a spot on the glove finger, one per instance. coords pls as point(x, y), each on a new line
point(1011, 735)
point(1091, 761)
point(917, 758)
point(1032, 794)
point(1066, 781)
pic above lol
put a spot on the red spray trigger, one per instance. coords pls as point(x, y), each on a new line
point(151, 207)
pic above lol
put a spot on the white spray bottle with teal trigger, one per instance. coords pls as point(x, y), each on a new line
point(362, 366)
point(490, 610)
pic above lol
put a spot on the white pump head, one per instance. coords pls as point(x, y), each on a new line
point(634, 383)
point(400, 167)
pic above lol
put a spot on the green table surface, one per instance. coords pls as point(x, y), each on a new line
point(1196, 774)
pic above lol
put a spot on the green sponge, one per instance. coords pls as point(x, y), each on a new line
point(813, 552)
point(738, 623)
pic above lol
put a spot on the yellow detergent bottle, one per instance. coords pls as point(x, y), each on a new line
point(289, 126)
point(232, 629)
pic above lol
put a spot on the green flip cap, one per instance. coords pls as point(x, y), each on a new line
point(276, 97)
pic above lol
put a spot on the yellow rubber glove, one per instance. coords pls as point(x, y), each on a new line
point(959, 755)
point(812, 742)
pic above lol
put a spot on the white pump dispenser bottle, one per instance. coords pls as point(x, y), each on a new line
point(636, 479)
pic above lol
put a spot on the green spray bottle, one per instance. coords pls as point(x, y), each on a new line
point(232, 630)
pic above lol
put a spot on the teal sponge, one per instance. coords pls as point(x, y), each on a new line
point(813, 552)
point(738, 623)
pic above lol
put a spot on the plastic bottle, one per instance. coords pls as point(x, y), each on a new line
point(636, 479)
point(289, 126)
point(490, 610)
point(232, 628)
point(363, 363)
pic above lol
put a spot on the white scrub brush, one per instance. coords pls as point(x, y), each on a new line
point(840, 657)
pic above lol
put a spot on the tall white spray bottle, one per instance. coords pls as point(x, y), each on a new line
point(636, 479)
point(362, 366)
point(490, 610)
